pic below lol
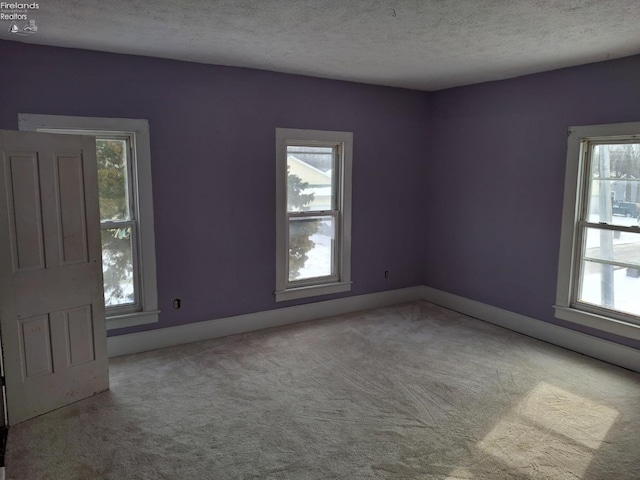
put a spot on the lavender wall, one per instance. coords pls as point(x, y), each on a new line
point(213, 165)
point(460, 189)
point(496, 178)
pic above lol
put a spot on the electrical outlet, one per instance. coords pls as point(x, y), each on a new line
point(177, 303)
point(386, 274)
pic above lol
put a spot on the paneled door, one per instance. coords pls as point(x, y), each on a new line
point(51, 296)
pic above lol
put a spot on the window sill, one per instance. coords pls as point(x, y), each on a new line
point(132, 319)
point(599, 322)
point(312, 291)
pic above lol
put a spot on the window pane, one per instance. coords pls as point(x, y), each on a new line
point(622, 247)
point(112, 179)
point(615, 184)
point(117, 266)
point(615, 288)
point(310, 174)
point(311, 247)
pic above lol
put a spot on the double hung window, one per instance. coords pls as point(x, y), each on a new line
point(314, 212)
point(118, 224)
point(599, 272)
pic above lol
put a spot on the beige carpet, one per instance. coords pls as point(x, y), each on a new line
point(407, 392)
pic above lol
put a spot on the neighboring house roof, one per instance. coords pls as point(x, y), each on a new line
point(308, 173)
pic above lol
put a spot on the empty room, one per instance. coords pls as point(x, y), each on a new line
point(312, 239)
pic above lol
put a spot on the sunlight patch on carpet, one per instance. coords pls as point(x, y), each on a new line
point(551, 432)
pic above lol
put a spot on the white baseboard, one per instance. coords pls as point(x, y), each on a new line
point(222, 327)
point(578, 342)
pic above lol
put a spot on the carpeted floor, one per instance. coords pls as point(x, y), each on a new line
point(407, 392)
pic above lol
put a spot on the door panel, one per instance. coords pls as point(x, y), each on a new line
point(79, 335)
point(24, 209)
point(35, 346)
point(72, 230)
point(51, 298)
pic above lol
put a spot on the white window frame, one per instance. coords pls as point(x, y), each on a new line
point(576, 187)
point(146, 311)
point(341, 282)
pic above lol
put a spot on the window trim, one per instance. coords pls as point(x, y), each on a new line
point(323, 285)
point(574, 188)
point(139, 130)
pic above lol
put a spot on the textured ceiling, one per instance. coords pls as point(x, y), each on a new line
point(421, 44)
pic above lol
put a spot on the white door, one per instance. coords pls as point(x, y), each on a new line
point(51, 296)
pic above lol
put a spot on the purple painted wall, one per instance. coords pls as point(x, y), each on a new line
point(496, 179)
point(460, 190)
point(213, 165)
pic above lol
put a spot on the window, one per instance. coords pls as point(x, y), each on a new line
point(599, 270)
point(313, 231)
point(126, 211)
